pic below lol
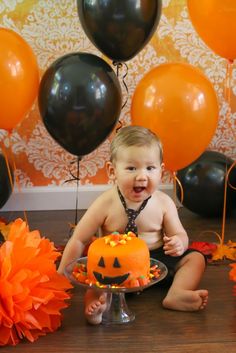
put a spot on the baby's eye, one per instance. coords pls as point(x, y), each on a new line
point(130, 168)
point(151, 167)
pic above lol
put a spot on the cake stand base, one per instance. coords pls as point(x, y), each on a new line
point(117, 311)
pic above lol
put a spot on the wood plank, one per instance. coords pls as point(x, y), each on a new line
point(155, 329)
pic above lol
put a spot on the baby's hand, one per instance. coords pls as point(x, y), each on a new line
point(173, 246)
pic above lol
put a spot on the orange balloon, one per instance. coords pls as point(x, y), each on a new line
point(19, 78)
point(215, 22)
point(179, 104)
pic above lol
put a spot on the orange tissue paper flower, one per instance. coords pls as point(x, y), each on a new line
point(32, 293)
point(205, 247)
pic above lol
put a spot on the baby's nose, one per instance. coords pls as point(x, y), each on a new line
point(141, 175)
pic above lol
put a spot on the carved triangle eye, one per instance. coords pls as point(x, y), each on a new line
point(116, 263)
point(101, 262)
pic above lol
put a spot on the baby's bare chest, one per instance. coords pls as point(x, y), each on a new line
point(148, 220)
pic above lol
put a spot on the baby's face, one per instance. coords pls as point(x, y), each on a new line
point(138, 171)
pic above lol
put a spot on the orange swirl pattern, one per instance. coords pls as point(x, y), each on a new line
point(52, 29)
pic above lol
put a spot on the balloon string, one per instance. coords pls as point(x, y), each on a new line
point(222, 236)
point(16, 175)
point(77, 179)
point(119, 66)
point(228, 173)
point(225, 199)
point(174, 185)
point(125, 85)
point(212, 231)
point(77, 191)
point(120, 125)
point(175, 182)
point(224, 210)
point(73, 177)
point(229, 69)
point(8, 165)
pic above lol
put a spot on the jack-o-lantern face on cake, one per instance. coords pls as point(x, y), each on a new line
point(117, 259)
point(105, 268)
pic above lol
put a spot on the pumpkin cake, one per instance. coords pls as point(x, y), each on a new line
point(117, 260)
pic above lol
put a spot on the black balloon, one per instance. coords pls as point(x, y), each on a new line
point(5, 184)
point(203, 184)
point(79, 101)
point(119, 28)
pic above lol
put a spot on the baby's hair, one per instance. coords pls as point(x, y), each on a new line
point(134, 136)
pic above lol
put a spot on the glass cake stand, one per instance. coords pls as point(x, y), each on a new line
point(117, 311)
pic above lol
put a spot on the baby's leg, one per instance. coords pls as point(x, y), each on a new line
point(183, 294)
point(95, 305)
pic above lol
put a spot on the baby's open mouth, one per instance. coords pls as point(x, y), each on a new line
point(139, 189)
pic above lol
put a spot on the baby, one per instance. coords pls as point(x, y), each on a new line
point(134, 203)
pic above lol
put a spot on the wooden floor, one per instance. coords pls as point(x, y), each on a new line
point(154, 328)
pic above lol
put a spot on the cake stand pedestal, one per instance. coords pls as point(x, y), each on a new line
point(117, 311)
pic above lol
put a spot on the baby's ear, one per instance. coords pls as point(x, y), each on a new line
point(162, 170)
point(110, 171)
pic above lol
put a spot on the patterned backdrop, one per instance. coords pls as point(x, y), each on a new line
point(52, 29)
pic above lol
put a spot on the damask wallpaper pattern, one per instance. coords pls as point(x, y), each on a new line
point(52, 29)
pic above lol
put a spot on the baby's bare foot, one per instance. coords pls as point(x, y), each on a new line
point(186, 300)
point(95, 308)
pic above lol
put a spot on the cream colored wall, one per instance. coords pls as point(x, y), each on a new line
point(52, 29)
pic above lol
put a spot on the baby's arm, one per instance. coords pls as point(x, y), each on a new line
point(175, 238)
point(83, 232)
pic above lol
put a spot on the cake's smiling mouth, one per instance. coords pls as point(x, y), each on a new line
point(110, 280)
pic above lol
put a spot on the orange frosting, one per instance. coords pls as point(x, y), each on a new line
point(118, 260)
